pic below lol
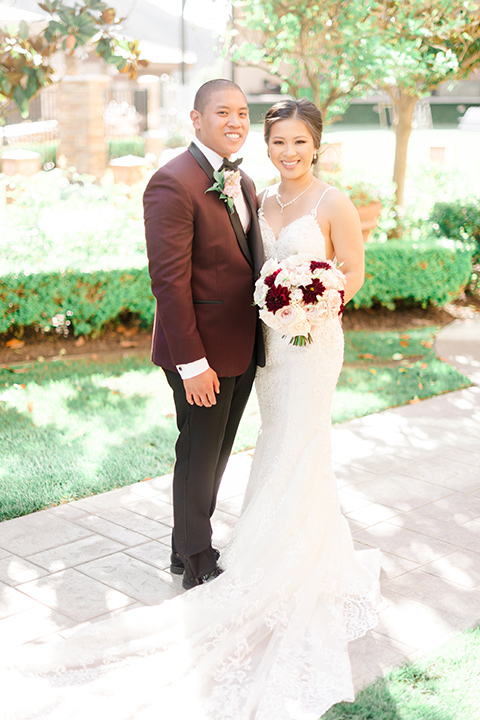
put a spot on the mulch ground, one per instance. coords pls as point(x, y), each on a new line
point(130, 338)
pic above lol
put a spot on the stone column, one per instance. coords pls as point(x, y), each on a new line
point(81, 102)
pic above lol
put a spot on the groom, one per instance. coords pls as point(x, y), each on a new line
point(203, 259)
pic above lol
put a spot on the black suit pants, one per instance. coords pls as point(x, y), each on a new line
point(202, 451)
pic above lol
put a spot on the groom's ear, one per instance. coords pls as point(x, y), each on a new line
point(195, 118)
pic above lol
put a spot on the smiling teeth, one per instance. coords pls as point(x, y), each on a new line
point(235, 136)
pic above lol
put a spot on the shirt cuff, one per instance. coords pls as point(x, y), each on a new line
point(190, 370)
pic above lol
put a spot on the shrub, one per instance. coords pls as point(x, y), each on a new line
point(432, 271)
point(397, 271)
point(118, 147)
point(459, 221)
point(47, 150)
point(87, 300)
point(176, 140)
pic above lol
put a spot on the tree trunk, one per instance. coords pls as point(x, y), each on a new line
point(405, 107)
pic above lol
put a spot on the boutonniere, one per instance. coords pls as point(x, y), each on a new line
point(227, 184)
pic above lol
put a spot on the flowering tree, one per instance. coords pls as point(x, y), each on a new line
point(25, 57)
point(339, 49)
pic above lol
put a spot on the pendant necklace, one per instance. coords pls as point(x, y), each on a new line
point(284, 205)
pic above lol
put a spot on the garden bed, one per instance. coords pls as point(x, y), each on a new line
point(129, 338)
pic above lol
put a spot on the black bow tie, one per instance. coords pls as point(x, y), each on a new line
point(231, 164)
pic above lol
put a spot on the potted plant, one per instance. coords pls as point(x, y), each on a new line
point(366, 198)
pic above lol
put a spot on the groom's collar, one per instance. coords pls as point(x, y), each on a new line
point(213, 158)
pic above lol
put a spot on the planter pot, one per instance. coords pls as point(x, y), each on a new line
point(128, 169)
point(20, 162)
point(369, 215)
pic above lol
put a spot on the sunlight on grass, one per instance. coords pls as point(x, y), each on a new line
point(71, 428)
point(440, 686)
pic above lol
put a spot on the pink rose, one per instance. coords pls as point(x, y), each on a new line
point(287, 315)
point(232, 187)
point(334, 301)
point(312, 313)
point(322, 310)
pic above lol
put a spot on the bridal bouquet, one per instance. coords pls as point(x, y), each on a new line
point(298, 293)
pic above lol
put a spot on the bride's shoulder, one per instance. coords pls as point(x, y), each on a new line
point(266, 193)
point(335, 199)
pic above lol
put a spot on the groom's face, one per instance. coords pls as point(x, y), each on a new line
point(223, 123)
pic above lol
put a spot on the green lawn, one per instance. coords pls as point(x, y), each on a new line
point(440, 686)
point(72, 428)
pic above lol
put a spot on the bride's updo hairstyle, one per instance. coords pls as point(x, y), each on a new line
point(303, 110)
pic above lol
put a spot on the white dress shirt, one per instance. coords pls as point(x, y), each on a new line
point(192, 369)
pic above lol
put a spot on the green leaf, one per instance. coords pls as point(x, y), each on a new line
point(95, 4)
point(23, 30)
point(67, 16)
point(21, 101)
point(5, 85)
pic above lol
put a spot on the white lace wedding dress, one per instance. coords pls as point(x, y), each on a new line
point(267, 640)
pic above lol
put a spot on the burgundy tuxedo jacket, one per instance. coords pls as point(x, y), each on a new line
point(202, 267)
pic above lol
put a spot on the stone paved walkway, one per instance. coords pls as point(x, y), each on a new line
point(409, 484)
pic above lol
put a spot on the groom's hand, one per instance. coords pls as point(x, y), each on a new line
point(201, 389)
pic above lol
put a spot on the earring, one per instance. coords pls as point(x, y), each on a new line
point(268, 153)
point(315, 157)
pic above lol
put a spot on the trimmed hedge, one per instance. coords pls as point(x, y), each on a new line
point(118, 147)
point(86, 300)
point(432, 271)
point(459, 221)
point(397, 271)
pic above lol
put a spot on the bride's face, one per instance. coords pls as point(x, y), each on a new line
point(291, 148)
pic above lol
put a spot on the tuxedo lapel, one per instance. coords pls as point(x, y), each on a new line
point(254, 238)
point(201, 160)
point(234, 218)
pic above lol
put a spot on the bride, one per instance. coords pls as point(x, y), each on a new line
point(266, 640)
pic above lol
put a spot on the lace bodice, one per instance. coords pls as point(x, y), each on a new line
point(301, 235)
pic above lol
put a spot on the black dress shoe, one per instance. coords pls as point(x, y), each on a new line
point(188, 583)
point(176, 565)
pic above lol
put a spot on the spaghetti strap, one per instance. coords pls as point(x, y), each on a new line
point(265, 193)
point(314, 210)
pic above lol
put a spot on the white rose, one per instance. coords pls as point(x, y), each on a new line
point(333, 300)
point(296, 295)
point(329, 279)
point(260, 292)
point(270, 319)
point(268, 268)
point(283, 278)
point(300, 327)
